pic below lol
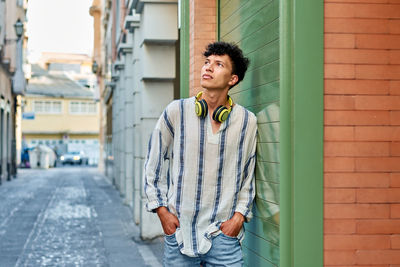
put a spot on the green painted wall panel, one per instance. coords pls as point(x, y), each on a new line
point(268, 152)
point(267, 171)
point(266, 74)
point(261, 247)
point(254, 26)
point(268, 191)
point(266, 93)
point(240, 20)
point(265, 224)
point(265, 16)
point(268, 32)
point(266, 54)
point(254, 260)
point(229, 7)
point(265, 127)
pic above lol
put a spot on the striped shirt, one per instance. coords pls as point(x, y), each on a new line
point(201, 177)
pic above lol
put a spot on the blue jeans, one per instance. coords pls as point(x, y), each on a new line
point(225, 251)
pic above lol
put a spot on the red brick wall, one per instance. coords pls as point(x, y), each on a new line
point(202, 31)
point(362, 133)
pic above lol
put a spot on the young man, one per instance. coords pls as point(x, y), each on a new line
point(199, 172)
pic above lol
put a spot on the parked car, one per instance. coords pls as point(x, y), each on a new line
point(74, 157)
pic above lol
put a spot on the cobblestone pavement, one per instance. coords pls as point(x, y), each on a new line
point(69, 217)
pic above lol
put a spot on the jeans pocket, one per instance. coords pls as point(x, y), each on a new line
point(234, 238)
point(169, 235)
point(170, 239)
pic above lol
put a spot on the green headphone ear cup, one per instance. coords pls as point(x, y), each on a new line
point(220, 114)
point(201, 108)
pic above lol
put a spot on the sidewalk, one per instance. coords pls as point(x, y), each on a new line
point(69, 217)
point(150, 250)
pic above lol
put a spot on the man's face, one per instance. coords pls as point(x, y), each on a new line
point(216, 73)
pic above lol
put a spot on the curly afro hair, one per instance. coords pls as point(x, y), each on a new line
point(240, 63)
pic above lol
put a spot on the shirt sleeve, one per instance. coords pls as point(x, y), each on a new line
point(247, 189)
point(156, 184)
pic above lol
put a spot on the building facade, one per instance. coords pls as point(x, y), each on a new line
point(323, 83)
point(60, 109)
point(138, 74)
point(12, 82)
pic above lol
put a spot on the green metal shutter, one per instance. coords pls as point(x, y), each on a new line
point(254, 26)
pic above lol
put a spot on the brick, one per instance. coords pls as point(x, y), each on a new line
point(349, 211)
point(356, 149)
point(338, 133)
point(395, 180)
point(377, 102)
point(383, 72)
point(209, 36)
point(338, 164)
point(395, 211)
point(378, 195)
point(394, 57)
point(357, 180)
point(339, 226)
point(339, 71)
point(377, 41)
point(395, 149)
point(352, 25)
point(339, 10)
point(394, 87)
point(341, 242)
point(359, 87)
point(339, 257)
point(338, 102)
point(352, 10)
point(204, 3)
point(356, 56)
point(204, 11)
point(333, 40)
point(395, 241)
point(388, 226)
point(205, 28)
point(394, 26)
point(378, 257)
point(395, 117)
point(339, 196)
point(357, 118)
point(384, 164)
point(377, 133)
point(204, 19)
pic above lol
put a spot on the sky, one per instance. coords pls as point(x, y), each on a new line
point(59, 26)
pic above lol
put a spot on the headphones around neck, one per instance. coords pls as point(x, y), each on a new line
point(220, 114)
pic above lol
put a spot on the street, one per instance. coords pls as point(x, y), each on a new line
point(70, 216)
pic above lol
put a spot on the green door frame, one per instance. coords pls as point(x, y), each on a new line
point(184, 49)
point(302, 108)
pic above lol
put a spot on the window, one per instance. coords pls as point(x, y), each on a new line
point(81, 107)
point(48, 107)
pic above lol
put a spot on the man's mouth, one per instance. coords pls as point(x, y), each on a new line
point(206, 76)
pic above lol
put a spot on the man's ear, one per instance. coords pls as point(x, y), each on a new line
point(234, 79)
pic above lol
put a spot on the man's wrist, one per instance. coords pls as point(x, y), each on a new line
point(238, 217)
point(161, 210)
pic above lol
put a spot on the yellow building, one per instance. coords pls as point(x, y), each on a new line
point(60, 112)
